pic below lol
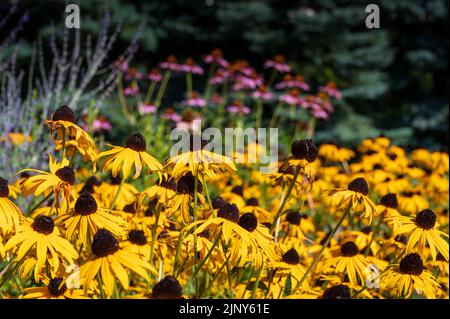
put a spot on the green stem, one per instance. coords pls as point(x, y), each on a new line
point(195, 235)
point(178, 253)
point(255, 286)
point(100, 285)
point(116, 197)
point(208, 198)
point(285, 199)
point(273, 120)
point(189, 84)
point(208, 254)
point(324, 246)
point(151, 89)
point(218, 272)
point(10, 272)
point(162, 88)
point(372, 238)
point(154, 229)
point(211, 71)
point(122, 99)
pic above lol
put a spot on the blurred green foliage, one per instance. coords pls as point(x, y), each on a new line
point(394, 79)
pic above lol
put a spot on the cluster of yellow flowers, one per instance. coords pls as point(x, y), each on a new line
point(328, 222)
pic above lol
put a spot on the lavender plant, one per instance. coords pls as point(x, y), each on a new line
point(79, 74)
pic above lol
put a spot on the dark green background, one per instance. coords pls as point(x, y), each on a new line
point(395, 79)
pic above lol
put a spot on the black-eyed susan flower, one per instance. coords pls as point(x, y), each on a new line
point(347, 259)
point(423, 230)
point(181, 201)
point(167, 288)
point(134, 154)
point(54, 288)
point(409, 275)
point(59, 180)
point(10, 215)
point(109, 262)
point(86, 218)
point(67, 135)
point(333, 153)
point(356, 197)
point(199, 160)
point(337, 292)
point(41, 239)
point(303, 153)
point(137, 243)
point(163, 190)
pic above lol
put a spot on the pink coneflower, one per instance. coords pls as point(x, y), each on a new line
point(170, 64)
point(239, 108)
point(263, 93)
point(216, 99)
point(320, 105)
point(240, 67)
point(319, 114)
point(131, 90)
point(170, 114)
point(292, 98)
point(133, 73)
point(190, 66)
point(247, 82)
point(154, 75)
point(292, 82)
point(101, 123)
point(219, 77)
point(146, 108)
point(278, 63)
point(121, 64)
point(195, 100)
point(190, 121)
point(331, 89)
point(216, 56)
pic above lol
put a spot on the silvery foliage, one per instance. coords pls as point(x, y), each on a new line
point(60, 72)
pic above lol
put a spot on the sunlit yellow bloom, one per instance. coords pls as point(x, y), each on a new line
point(356, 196)
point(86, 218)
point(123, 159)
point(423, 230)
point(332, 153)
point(55, 288)
point(60, 180)
point(16, 138)
point(10, 214)
point(408, 276)
point(348, 260)
point(65, 133)
point(110, 262)
point(41, 238)
point(199, 161)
